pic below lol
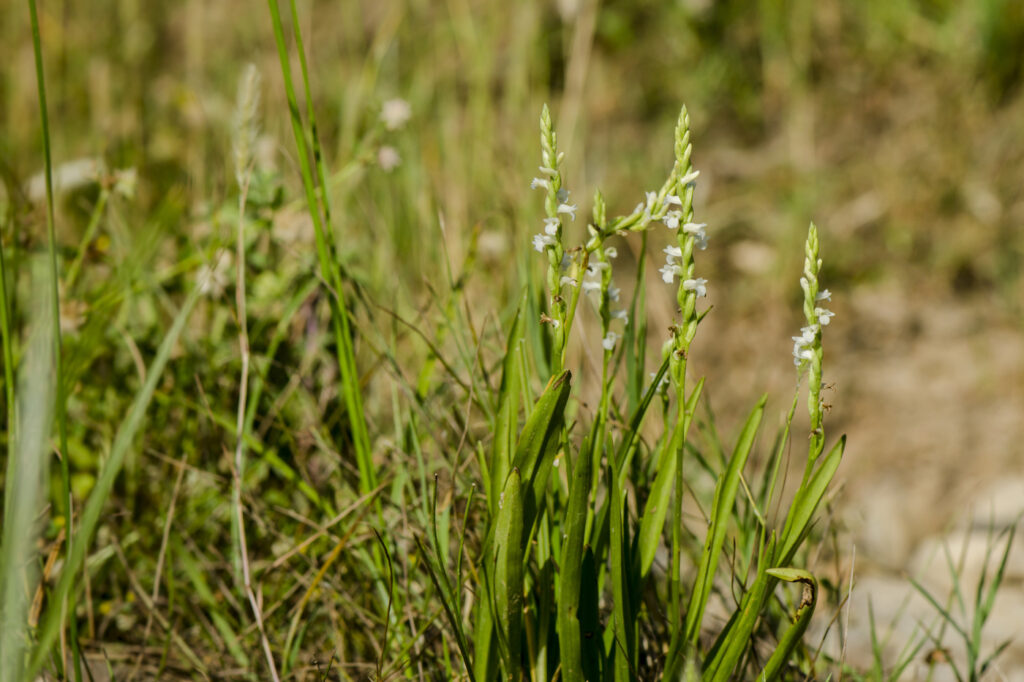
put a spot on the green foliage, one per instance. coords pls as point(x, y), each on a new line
point(465, 479)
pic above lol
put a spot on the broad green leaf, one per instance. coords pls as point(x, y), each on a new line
point(538, 443)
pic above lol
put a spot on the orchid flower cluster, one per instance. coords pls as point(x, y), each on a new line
point(567, 268)
point(562, 272)
point(672, 205)
point(599, 269)
point(679, 257)
point(807, 350)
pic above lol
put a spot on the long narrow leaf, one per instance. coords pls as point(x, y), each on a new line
point(656, 509)
point(801, 619)
point(508, 411)
point(48, 630)
point(805, 503)
point(570, 577)
point(508, 571)
point(721, 513)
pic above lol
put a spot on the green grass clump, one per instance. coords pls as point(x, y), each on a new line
point(354, 407)
point(557, 548)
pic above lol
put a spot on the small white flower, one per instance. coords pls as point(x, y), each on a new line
point(651, 198)
point(609, 340)
point(800, 355)
point(613, 292)
point(671, 253)
point(567, 280)
point(551, 226)
point(673, 200)
point(669, 272)
point(689, 178)
point(698, 285)
point(542, 241)
point(672, 219)
point(700, 237)
point(388, 158)
point(569, 209)
point(596, 267)
point(395, 112)
point(589, 286)
point(803, 344)
point(621, 315)
point(540, 182)
point(824, 316)
point(823, 295)
point(611, 252)
point(548, 171)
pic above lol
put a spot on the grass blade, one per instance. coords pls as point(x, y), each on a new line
point(721, 515)
point(50, 623)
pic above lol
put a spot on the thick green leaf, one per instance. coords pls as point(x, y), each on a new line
point(538, 443)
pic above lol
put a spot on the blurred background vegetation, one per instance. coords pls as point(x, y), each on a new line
point(897, 125)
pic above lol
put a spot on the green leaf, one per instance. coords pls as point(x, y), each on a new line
point(508, 570)
point(570, 575)
point(732, 642)
point(721, 513)
point(624, 615)
point(508, 411)
point(50, 623)
point(656, 509)
point(538, 443)
point(795, 632)
point(805, 503)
